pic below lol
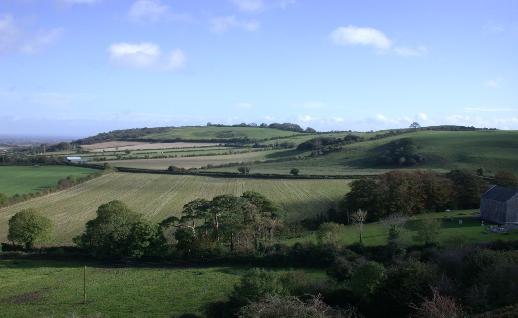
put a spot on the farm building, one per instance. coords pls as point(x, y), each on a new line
point(75, 159)
point(500, 205)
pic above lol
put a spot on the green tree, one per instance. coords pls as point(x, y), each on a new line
point(29, 227)
point(145, 239)
point(244, 170)
point(294, 171)
point(467, 188)
point(329, 233)
point(506, 179)
point(367, 278)
point(108, 234)
point(427, 230)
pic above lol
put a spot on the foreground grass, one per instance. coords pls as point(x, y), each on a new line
point(25, 179)
point(55, 289)
point(158, 196)
point(31, 288)
point(451, 233)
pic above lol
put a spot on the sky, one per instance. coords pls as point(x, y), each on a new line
point(79, 67)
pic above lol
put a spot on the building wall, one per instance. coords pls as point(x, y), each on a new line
point(512, 210)
point(493, 211)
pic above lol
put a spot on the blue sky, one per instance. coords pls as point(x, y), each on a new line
point(78, 67)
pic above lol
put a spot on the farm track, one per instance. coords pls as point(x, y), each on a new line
point(158, 196)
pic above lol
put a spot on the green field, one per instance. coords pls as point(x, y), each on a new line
point(212, 132)
point(158, 196)
point(25, 179)
point(32, 288)
point(194, 161)
point(470, 231)
point(443, 150)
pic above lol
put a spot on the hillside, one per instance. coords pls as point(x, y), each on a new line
point(218, 133)
point(159, 196)
point(443, 150)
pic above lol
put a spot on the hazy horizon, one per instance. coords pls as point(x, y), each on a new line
point(80, 67)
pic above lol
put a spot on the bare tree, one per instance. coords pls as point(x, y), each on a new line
point(438, 307)
point(359, 217)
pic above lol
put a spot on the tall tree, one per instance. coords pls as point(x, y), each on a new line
point(29, 227)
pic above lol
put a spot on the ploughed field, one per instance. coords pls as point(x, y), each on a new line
point(158, 196)
point(136, 145)
point(25, 179)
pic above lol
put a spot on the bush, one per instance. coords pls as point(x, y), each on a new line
point(329, 233)
point(29, 227)
point(276, 306)
point(427, 231)
point(366, 279)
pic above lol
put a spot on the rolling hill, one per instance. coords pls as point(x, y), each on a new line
point(491, 150)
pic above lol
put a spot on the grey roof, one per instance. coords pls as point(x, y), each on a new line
point(499, 193)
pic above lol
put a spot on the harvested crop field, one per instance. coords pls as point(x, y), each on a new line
point(135, 145)
point(158, 196)
point(191, 162)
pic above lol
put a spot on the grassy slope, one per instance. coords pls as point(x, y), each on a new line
point(451, 232)
point(205, 133)
point(491, 150)
point(55, 289)
point(25, 179)
point(160, 196)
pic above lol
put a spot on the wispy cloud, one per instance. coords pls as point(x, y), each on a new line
point(72, 2)
point(249, 5)
point(13, 38)
point(146, 56)
point(493, 83)
point(365, 36)
point(223, 24)
point(153, 11)
point(489, 109)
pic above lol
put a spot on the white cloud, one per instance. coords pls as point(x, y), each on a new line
point(223, 24)
point(493, 83)
point(146, 55)
point(14, 39)
point(306, 118)
point(249, 5)
point(352, 35)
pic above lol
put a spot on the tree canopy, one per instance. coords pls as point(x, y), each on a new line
point(29, 227)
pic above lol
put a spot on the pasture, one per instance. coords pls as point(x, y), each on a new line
point(213, 132)
point(158, 196)
point(193, 161)
point(33, 288)
point(442, 150)
point(135, 145)
point(25, 179)
point(452, 231)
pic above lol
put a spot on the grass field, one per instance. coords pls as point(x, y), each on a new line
point(443, 150)
point(470, 231)
point(25, 179)
point(128, 145)
point(212, 132)
point(159, 196)
point(194, 162)
point(55, 289)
